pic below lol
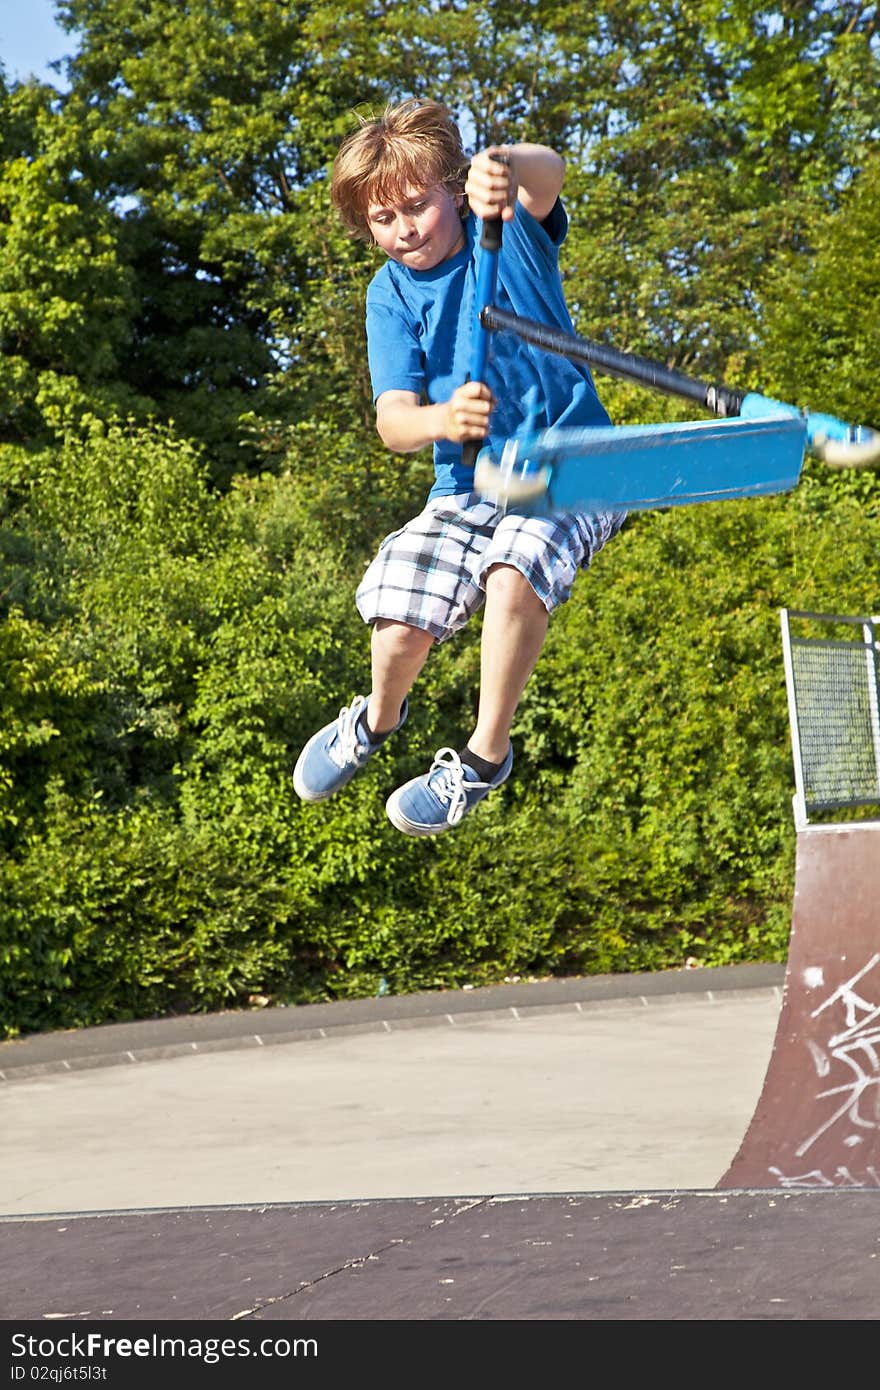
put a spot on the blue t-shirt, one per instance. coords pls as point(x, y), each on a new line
point(419, 326)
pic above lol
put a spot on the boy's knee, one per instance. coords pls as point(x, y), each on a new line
point(401, 637)
point(509, 586)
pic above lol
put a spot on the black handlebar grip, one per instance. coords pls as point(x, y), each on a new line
point(490, 238)
point(469, 450)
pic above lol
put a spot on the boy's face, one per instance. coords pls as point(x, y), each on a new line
point(421, 229)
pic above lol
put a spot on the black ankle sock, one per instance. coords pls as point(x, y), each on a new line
point(486, 772)
point(371, 735)
point(374, 737)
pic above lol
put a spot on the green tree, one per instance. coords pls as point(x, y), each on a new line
point(725, 135)
point(701, 144)
point(211, 121)
point(167, 645)
point(66, 296)
point(820, 343)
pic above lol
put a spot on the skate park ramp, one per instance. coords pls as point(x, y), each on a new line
point(790, 1230)
point(817, 1122)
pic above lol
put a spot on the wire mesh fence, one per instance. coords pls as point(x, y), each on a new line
point(831, 669)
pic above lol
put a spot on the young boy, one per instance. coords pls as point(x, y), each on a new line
point(402, 182)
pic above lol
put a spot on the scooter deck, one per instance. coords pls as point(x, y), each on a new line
point(632, 467)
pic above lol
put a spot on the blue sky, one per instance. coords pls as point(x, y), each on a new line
point(30, 39)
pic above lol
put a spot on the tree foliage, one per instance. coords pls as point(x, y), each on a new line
point(702, 145)
point(191, 485)
point(820, 341)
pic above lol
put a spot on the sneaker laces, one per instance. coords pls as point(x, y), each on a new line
point(345, 747)
point(448, 783)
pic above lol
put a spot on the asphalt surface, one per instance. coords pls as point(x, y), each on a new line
point(602, 1084)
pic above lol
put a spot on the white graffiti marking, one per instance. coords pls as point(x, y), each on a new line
point(816, 1178)
point(857, 1047)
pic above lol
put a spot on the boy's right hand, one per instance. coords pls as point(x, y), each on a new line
point(467, 412)
point(491, 184)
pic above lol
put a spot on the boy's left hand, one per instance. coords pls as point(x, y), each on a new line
point(491, 186)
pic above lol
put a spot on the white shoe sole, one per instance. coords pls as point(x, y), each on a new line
point(408, 827)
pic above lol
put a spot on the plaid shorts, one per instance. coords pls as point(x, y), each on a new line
point(431, 573)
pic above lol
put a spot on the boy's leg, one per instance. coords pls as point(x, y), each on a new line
point(528, 568)
point(418, 589)
point(335, 753)
point(398, 654)
point(514, 628)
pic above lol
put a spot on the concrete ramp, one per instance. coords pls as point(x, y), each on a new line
point(817, 1122)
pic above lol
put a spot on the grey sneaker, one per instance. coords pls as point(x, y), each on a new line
point(436, 801)
point(335, 753)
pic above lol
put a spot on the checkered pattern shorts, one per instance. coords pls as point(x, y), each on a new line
point(431, 573)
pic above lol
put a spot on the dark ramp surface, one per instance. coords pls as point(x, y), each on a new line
point(808, 1254)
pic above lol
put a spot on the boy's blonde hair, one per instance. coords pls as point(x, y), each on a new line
point(413, 144)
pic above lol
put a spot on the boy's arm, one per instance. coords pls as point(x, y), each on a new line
point(405, 424)
point(533, 175)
